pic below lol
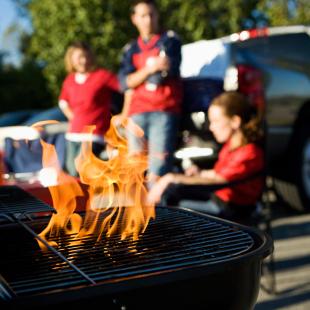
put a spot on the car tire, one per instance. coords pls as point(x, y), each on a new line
point(302, 166)
point(292, 171)
point(300, 156)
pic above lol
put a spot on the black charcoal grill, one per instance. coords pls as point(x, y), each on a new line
point(184, 260)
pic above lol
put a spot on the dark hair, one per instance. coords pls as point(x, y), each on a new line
point(134, 3)
point(234, 103)
point(78, 45)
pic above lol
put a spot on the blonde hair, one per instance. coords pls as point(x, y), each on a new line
point(78, 45)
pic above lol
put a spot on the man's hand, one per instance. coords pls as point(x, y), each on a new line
point(157, 63)
point(153, 65)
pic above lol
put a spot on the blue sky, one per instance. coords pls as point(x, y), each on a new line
point(8, 17)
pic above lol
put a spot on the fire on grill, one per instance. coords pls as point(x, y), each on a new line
point(112, 185)
point(184, 260)
point(118, 254)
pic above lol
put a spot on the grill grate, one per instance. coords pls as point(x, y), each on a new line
point(15, 201)
point(176, 239)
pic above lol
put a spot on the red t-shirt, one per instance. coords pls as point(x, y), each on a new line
point(238, 164)
point(169, 94)
point(90, 101)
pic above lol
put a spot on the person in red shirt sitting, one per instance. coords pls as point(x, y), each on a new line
point(85, 99)
point(234, 123)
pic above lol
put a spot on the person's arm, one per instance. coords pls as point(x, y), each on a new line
point(130, 77)
point(64, 107)
point(209, 174)
point(201, 179)
point(158, 63)
point(127, 101)
point(205, 173)
point(63, 101)
point(172, 45)
point(158, 188)
point(192, 170)
point(120, 118)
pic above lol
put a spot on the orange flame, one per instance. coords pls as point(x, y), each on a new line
point(117, 183)
point(115, 186)
point(63, 194)
point(64, 190)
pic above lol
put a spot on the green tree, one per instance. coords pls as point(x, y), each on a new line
point(195, 20)
point(23, 88)
point(106, 25)
point(286, 12)
point(58, 23)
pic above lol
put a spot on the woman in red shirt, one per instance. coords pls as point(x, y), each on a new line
point(234, 123)
point(85, 99)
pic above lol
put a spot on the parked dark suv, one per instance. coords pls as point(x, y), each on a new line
point(271, 66)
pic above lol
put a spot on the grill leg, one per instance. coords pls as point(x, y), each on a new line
point(268, 268)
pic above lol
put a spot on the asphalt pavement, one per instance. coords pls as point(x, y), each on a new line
point(291, 234)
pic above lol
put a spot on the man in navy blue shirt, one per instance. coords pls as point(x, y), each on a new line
point(150, 69)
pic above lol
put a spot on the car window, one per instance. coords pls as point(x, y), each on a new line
point(205, 59)
point(291, 46)
point(285, 63)
point(289, 51)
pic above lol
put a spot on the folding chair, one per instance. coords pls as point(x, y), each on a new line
point(259, 217)
point(262, 220)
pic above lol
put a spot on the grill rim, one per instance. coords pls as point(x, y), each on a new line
point(263, 246)
point(266, 247)
point(37, 205)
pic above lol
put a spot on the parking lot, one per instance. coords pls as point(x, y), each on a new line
point(291, 232)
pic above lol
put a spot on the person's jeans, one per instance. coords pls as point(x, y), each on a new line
point(201, 198)
point(159, 141)
point(194, 197)
point(73, 150)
